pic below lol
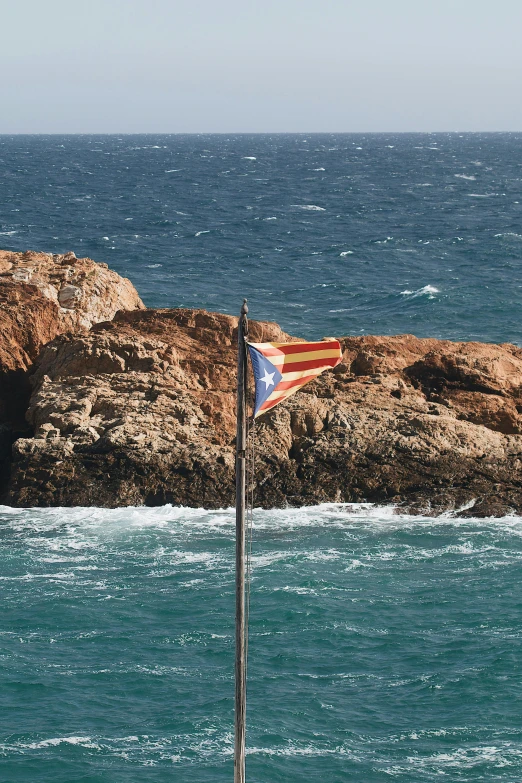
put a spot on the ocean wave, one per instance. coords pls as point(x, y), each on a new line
point(427, 290)
point(80, 526)
point(466, 176)
point(309, 207)
point(484, 195)
point(394, 755)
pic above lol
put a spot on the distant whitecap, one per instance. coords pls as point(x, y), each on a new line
point(466, 176)
point(346, 253)
point(309, 207)
point(427, 290)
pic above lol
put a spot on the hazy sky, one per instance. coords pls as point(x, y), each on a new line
point(278, 65)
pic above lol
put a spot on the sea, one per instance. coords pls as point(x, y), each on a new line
point(383, 647)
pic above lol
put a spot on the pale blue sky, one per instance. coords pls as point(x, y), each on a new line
point(175, 66)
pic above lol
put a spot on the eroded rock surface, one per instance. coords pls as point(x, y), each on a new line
point(41, 296)
point(142, 410)
point(83, 291)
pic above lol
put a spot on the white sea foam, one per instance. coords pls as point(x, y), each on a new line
point(427, 290)
point(309, 207)
point(7, 233)
point(301, 750)
point(153, 266)
point(198, 233)
point(171, 171)
point(466, 176)
point(249, 157)
point(79, 528)
point(346, 253)
point(85, 742)
point(320, 169)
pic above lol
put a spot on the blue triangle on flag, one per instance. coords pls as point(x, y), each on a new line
point(266, 375)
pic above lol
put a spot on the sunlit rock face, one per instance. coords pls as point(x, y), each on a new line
point(141, 410)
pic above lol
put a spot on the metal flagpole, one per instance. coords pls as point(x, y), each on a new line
point(240, 666)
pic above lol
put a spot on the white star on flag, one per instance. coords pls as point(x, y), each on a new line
point(268, 379)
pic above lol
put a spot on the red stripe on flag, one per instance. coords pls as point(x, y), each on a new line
point(270, 403)
point(306, 347)
point(269, 351)
point(282, 385)
point(291, 348)
point(310, 364)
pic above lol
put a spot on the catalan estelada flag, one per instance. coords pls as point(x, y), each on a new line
point(281, 369)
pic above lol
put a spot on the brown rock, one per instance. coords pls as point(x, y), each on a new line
point(141, 410)
point(84, 291)
point(42, 296)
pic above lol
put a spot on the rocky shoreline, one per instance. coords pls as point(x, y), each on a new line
point(103, 402)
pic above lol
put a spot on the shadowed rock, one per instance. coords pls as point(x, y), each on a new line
point(41, 296)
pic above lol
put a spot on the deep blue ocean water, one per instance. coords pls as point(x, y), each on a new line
point(327, 234)
point(382, 647)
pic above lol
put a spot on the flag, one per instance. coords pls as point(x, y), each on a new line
point(281, 369)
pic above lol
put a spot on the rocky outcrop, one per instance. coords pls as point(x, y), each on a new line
point(141, 410)
point(83, 291)
point(41, 296)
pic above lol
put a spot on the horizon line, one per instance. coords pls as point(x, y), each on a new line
point(261, 133)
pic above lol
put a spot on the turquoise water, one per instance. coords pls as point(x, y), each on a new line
point(382, 647)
